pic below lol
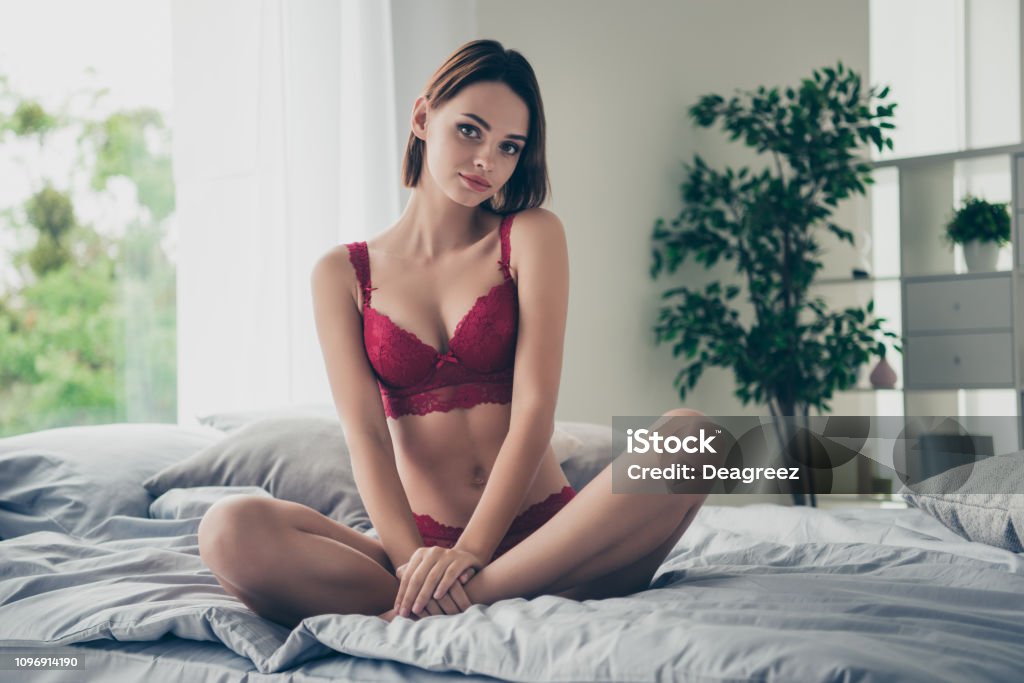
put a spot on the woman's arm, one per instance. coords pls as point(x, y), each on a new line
point(357, 399)
point(542, 259)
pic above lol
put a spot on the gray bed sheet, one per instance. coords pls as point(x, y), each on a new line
point(175, 660)
point(753, 593)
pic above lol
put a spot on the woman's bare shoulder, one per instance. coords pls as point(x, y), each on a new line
point(335, 262)
point(334, 269)
point(538, 218)
point(536, 232)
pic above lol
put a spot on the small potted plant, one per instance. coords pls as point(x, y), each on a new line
point(982, 228)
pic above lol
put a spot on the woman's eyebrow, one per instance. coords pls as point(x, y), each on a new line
point(487, 126)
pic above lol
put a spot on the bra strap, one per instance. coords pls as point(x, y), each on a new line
point(360, 259)
point(506, 247)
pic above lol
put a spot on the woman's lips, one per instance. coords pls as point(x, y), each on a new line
point(473, 185)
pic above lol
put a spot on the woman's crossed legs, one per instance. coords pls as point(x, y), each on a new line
point(287, 561)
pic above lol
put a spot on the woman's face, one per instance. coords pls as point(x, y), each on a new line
point(478, 134)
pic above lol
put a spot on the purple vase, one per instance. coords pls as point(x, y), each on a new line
point(883, 376)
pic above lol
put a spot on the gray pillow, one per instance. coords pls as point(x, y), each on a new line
point(301, 459)
point(229, 421)
point(193, 503)
point(981, 501)
point(583, 449)
point(71, 479)
point(305, 460)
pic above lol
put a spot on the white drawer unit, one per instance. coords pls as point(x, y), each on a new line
point(963, 303)
point(959, 361)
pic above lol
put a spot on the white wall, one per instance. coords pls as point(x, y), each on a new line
point(617, 79)
point(424, 35)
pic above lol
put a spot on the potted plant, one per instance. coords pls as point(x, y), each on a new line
point(981, 228)
point(795, 352)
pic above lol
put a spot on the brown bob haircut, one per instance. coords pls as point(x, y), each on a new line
point(488, 61)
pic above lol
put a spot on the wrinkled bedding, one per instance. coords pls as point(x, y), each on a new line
point(761, 592)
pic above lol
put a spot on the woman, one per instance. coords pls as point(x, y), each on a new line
point(420, 334)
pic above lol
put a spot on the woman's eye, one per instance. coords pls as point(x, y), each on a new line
point(463, 127)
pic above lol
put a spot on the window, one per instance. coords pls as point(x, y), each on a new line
point(87, 277)
point(954, 69)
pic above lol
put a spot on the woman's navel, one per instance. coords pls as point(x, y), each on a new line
point(479, 476)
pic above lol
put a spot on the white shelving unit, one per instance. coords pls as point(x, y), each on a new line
point(962, 332)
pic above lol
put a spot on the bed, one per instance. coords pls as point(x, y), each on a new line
point(99, 559)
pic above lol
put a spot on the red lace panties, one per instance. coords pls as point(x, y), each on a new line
point(531, 519)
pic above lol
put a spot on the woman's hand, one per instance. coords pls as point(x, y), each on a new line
point(455, 602)
point(431, 581)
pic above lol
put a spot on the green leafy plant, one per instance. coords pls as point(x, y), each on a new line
point(785, 347)
point(980, 220)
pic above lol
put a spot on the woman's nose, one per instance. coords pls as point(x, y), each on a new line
point(485, 160)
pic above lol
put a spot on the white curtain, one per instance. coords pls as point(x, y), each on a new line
point(287, 141)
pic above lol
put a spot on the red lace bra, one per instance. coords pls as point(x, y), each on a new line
point(414, 377)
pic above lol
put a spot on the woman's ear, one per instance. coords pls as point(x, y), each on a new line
point(419, 117)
